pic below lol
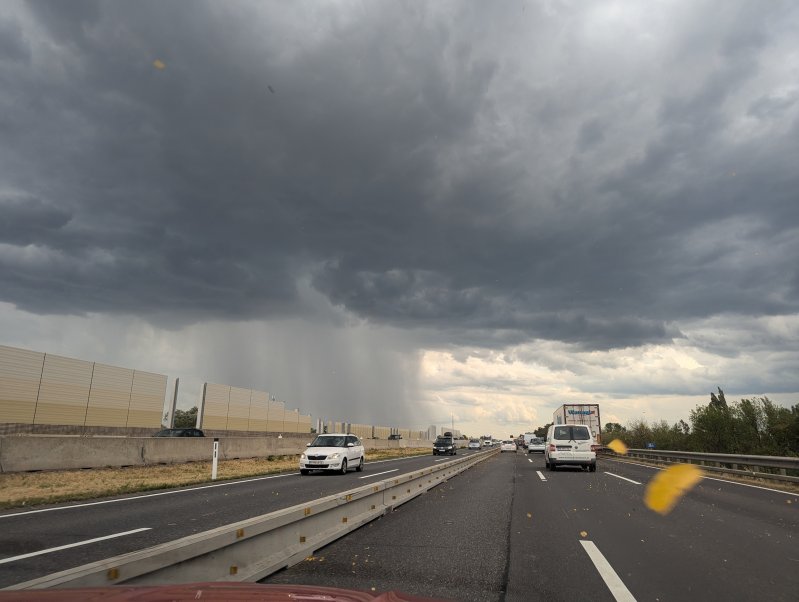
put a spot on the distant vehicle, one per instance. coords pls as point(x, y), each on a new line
point(334, 452)
point(580, 413)
point(188, 432)
point(444, 445)
point(474, 443)
point(394, 437)
point(536, 444)
point(508, 445)
point(570, 444)
point(527, 436)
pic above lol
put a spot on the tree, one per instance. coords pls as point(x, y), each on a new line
point(541, 431)
point(712, 428)
point(185, 419)
point(718, 401)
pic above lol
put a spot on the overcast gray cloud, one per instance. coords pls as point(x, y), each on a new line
point(480, 174)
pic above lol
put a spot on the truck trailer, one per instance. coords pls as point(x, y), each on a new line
point(580, 413)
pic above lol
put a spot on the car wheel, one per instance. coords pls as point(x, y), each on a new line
point(592, 468)
point(552, 466)
point(359, 468)
point(344, 466)
point(304, 471)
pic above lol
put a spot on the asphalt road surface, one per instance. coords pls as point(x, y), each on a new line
point(46, 540)
point(508, 529)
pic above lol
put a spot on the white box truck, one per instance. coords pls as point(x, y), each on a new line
point(580, 413)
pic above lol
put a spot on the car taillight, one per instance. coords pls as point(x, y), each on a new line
point(552, 447)
point(596, 448)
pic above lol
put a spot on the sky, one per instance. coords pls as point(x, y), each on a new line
point(409, 213)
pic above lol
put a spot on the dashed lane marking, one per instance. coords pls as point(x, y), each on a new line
point(621, 477)
point(71, 545)
point(609, 576)
point(369, 476)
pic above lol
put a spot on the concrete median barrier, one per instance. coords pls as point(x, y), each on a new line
point(28, 453)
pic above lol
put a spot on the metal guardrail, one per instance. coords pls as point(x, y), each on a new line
point(252, 549)
point(742, 465)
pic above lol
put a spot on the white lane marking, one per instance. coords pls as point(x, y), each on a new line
point(709, 478)
point(621, 477)
point(529, 460)
point(71, 545)
point(541, 475)
point(139, 497)
point(441, 460)
point(148, 495)
point(369, 476)
point(609, 576)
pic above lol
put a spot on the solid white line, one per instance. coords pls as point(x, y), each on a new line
point(621, 477)
point(71, 545)
point(139, 497)
point(369, 476)
point(529, 460)
point(148, 495)
point(441, 460)
point(709, 478)
point(541, 475)
point(609, 576)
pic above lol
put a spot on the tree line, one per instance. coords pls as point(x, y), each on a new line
point(754, 426)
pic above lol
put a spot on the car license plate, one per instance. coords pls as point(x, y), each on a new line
point(315, 462)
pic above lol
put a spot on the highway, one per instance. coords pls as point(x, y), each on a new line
point(507, 529)
point(133, 522)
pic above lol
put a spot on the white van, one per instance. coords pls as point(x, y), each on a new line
point(570, 444)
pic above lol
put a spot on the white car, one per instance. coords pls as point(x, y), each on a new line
point(570, 445)
point(536, 444)
point(474, 443)
point(336, 452)
point(508, 445)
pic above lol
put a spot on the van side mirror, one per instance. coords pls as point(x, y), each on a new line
point(350, 445)
point(307, 445)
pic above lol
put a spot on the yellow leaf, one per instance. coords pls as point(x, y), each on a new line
point(159, 64)
point(529, 515)
point(583, 533)
point(668, 486)
point(618, 446)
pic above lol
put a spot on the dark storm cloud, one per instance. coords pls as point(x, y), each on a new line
point(407, 159)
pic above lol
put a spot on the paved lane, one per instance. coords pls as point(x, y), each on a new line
point(156, 517)
point(570, 535)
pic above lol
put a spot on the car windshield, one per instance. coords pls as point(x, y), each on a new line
point(329, 441)
point(292, 221)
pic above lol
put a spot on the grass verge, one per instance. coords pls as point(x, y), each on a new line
point(23, 489)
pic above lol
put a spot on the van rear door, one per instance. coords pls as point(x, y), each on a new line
point(581, 442)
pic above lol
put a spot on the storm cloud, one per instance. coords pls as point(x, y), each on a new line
point(484, 175)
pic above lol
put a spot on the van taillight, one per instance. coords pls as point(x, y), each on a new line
point(552, 447)
point(596, 448)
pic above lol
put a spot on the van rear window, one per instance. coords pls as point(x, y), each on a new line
point(572, 433)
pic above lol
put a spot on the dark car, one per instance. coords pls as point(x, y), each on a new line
point(179, 433)
point(444, 445)
point(394, 437)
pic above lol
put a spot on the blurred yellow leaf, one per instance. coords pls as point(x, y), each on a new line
point(159, 64)
point(529, 515)
point(618, 446)
point(583, 533)
point(668, 486)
